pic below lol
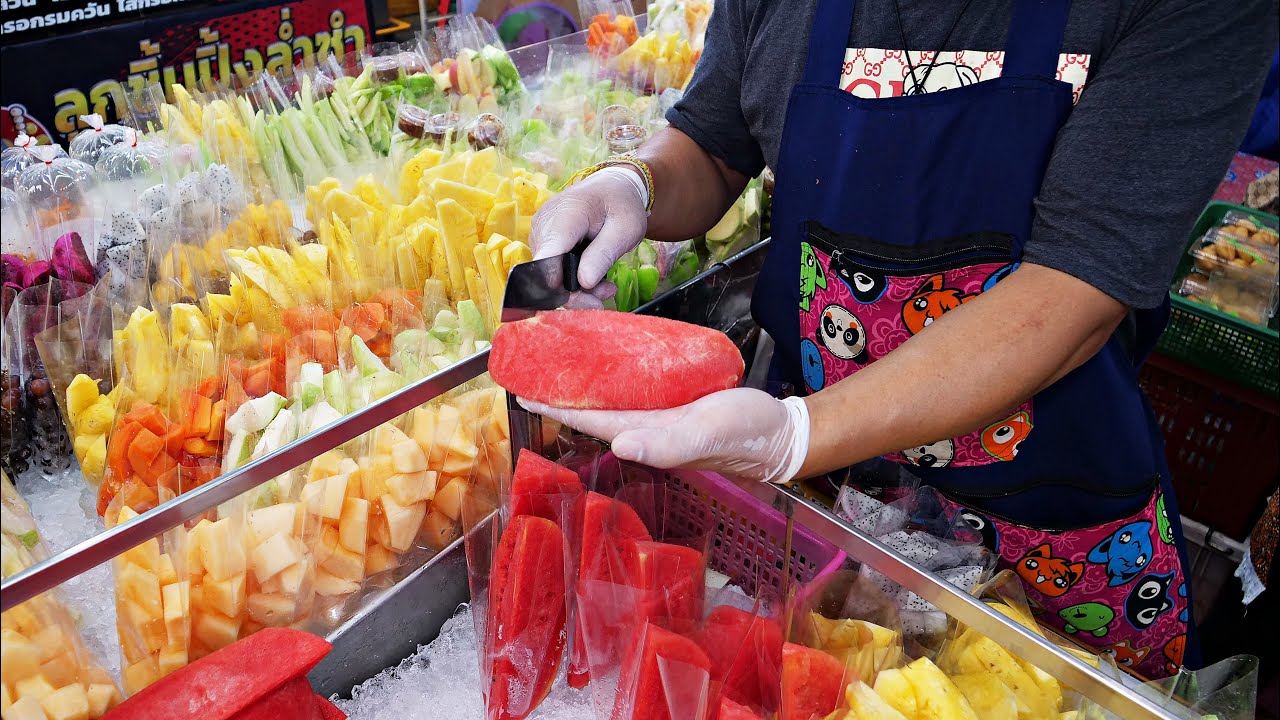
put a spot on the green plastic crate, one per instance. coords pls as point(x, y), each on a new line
point(1214, 341)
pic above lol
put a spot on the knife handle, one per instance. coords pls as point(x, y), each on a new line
point(571, 260)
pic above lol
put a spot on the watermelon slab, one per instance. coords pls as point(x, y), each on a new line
point(746, 656)
point(604, 360)
point(673, 578)
point(812, 683)
point(730, 710)
point(227, 682)
point(665, 677)
point(606, 523)
point(542, 488)
point(527, 615)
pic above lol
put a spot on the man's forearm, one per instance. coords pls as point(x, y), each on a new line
point(968, 369)
point(692, 189)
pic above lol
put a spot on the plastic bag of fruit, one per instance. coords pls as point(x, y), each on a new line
point(59, 194)
point(1226, 690)
point(19, 156)
point(739, 229)
point(89, 144)
point(475, 63)
point(613, 26)
point(48, 671)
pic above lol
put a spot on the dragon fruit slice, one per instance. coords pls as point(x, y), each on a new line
point(70, 261)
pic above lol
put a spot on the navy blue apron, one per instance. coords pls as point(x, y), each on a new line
point(890, 212)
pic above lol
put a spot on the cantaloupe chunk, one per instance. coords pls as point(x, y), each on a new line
point(141, 586)
point(51, 640)
point(378, 559)
point(225, 596)
point(324, 497)
point(145, 556)
point(61, 669)
point(140, 674)
point(67, 703)
point(344, 564)
point(403, 522)
point(448, 500)
point(407, 457)
point(273, 555)
point(329, 463)
point(23, 619)
point(268, 521)
point(216, 630)
point(195, 536)
point(170, 660)
point(353, 526)
point(290, 579)
point(328, 543)
point(35, 686)
point(25, 708)
point(222, 550)
point(272, 609)
point(409, 488)
point(438, 530)
point(387, 437)
point(331, 586)
point(102, 696)
point(177, 599)
point(166, 572)
point(19, 657)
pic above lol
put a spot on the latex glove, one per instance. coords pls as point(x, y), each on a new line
point(607, 207)
point(743, 432)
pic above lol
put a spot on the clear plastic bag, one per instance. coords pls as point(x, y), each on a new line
point(21, 155)
point(58, 192)
point(1226, 690)
point(129, 159)
point(88, 145)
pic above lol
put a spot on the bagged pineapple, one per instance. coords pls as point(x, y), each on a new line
point(48, 671)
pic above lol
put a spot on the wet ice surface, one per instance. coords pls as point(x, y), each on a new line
point(442, 682)
point(62, 505)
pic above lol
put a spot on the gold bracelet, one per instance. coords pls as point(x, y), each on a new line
point(629, 160)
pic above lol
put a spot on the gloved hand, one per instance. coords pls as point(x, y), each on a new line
point(742, 432)
point(608, 207)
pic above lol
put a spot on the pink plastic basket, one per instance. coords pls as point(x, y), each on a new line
point(748, 537)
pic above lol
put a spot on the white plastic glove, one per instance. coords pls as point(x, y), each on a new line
point(743, 432)
point(607, 207)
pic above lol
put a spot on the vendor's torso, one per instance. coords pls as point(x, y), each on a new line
point(778, 37)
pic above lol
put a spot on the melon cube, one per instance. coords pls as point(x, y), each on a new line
point(177, 599)
point(353, 525)
point(216, 630)
point(26, 708)
point(61, 669)
point(145, 556)
point(344, 564)
point(460, 464)
point(19, 657)
point(68, 703)
point(23, 619)
point(273, 555)
point(166, 572)
point(289, 580)
point(409, 488)
point(407, 457)
point(195, 567)
point(328, 543)
point(448, 499)
point(331, 586)
point(5, 698)
point(222, 550)
point(131, 642)
point(438, 530)
point(36, 687)
point(225, 596)
point(379, 559)
point(272, 609)
point(330, 463)
point(403, 522)
point(170, 660)
point(102, 696)
point(373, 480)
point(140, 674)
point(324, 497)
point(271, 520)
point(154, 634)
point(388, 436)
point(51, 641)
point(143, 587)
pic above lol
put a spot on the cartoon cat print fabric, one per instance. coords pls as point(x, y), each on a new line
point(1116, 587)
point(852, 314)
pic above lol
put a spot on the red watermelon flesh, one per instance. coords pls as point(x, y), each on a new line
point(665, 677)
point(673, 578)
point(730, 710)
point(542, 488)
point(605, 524)
point(294, 700)
point(812, 683)
point(604, 360)
point(526, 625)
point(227, 681)
point(746, 656)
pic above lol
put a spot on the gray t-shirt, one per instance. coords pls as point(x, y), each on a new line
point(1164, 91)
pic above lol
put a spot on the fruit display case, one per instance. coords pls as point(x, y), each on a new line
point(797, 538)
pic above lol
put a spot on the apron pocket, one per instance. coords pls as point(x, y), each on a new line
point(1118, 586)
point(860, 298)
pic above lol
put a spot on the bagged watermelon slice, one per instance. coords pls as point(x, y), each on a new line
point(746, 657)
point(604, 360)
point(665, 677)
point(813, 683)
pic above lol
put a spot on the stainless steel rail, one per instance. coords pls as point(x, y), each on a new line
point(102, 547)
point(962, 606)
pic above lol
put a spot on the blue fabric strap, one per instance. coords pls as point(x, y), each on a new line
point(1035, 38)
point(828, 40)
